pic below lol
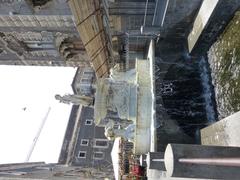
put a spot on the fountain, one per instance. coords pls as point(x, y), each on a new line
point(126, 99)
point(124, 102)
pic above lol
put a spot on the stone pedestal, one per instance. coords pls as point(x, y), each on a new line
point(142, 140)
point(223, 133)
point(197, 161)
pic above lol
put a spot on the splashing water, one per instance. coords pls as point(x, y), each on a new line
point(207, 93)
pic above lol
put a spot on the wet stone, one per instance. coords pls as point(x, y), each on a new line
point(224, 60)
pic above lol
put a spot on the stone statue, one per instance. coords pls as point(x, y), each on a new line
point(75, 99)
point(126, 133)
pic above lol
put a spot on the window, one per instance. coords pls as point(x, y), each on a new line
point(85, 80)
point(88, 122)
point(88, 72)
point(98, 155)
point(82, 154)
point(101, 143)
point(84, 142)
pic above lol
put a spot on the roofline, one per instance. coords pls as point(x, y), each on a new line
point(74, 81)
point(72, 128)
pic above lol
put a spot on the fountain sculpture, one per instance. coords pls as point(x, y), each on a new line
point(124, 103)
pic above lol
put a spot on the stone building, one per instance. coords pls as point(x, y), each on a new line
point(42, 37)
point(101, 24)
point(34, 27)
point(84, 144)
point(83, 81)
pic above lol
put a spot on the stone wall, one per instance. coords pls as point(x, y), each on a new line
point(222, 14)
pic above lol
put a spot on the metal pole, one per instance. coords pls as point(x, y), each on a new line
point(158, 160)
point(212, 161)
point(145, 15)
point(37, 135)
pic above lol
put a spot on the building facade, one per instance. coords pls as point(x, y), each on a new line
point(44, 36)
point(25, 24)
point(83, 82)
point(92, 149)
point(85, 144)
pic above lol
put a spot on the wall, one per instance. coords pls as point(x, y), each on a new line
point(24, 7)
point(91, 133)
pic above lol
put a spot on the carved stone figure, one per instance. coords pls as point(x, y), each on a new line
point(75, 99)
point(126, 133)
point(113, 96)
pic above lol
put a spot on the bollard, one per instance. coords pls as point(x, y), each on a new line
point(142, 160)
point(198, 161)
point(155, 160)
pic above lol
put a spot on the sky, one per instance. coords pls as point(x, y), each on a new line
point(26, 93)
